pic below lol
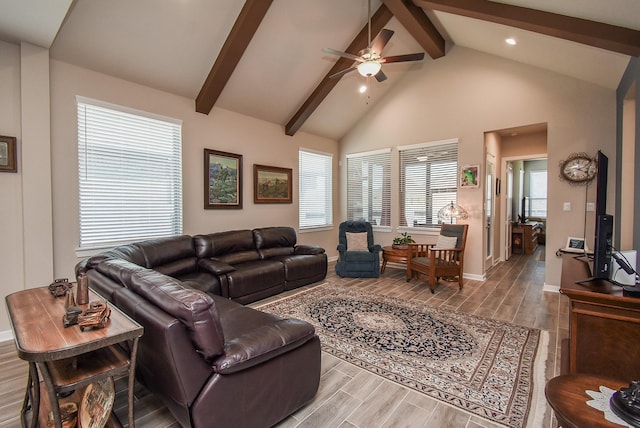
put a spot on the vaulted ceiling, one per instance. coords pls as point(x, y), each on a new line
point(264, 58)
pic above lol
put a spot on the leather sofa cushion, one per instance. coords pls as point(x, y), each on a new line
point(178, 267)
point(268, 237)
point(253, 336)
point(232, 247)
point(255, 276)
point(193, 308)
point(118, 270)
point(163, 251)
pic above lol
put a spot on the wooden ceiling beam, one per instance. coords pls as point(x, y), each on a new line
point(591, 33)
point(418, 24)
point(234, 46)
point(361, 41)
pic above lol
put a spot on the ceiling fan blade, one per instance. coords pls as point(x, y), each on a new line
point(342, 73)
point(403, 58)
point(381, 40)
point(380, 76)
point(342, 54)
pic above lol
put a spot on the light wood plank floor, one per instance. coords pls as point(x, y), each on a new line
point(352, 397)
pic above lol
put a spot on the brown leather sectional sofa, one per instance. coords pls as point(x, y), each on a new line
point(213, 361)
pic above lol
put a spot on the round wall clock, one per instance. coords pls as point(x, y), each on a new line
point(578, 168)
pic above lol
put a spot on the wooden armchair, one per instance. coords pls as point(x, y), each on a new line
point(443, 259)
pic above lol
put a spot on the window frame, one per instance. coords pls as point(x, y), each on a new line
point(115, 143)
point(450, 187)
point(361, 186)
point(306, 197)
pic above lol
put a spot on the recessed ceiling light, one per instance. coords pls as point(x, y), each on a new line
point(511, 41)
point(362, 89)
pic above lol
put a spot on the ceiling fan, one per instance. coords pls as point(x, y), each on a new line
point(370, 59)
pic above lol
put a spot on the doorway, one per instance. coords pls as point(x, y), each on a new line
point(506, 150)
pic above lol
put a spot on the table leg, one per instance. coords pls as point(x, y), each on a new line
point(31, 397)
point(132, 380)
point(53, 397)
point(384, 265)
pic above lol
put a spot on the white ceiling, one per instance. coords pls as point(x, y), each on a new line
point(172, 44)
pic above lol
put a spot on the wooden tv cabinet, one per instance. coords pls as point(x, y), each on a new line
point(604, 325)
point(524, 237)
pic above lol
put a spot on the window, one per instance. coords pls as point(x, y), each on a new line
point(538, 193)
point(316, 196)
point(428, 181)
point(369, 187)
point(129, 173)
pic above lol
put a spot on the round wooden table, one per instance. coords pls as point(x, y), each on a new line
point(391, 254)
point(567, 397)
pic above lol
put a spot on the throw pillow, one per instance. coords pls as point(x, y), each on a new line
point(357, 241)
point(446, 242)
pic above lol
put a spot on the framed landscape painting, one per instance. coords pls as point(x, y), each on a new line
point(271, 185)
point(470, 176)
point(222, 180)
point(8, 154)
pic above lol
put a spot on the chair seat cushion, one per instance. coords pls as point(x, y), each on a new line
point(359, 256)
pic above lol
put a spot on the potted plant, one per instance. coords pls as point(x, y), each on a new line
point(403, 240)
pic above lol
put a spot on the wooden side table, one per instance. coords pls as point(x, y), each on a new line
point(391, 254)
point(567, 397)
point(68, 358)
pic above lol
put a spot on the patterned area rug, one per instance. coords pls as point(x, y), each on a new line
point(489, 368)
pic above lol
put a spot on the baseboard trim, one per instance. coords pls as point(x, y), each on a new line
point(551, 288)
point(6, 336)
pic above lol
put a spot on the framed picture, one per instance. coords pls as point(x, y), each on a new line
point(8, 154)
point(271, 185)
point(470, 176)
point(222, 180)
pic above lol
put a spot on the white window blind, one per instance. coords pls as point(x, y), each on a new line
point(369, 187)
point(316, 196)
point(428, 181)
point(130, 175)
point(538, 193)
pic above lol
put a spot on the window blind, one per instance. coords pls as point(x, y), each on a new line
point(130, 175)
point(315, 189)
point(369, 187)
point(428, 181)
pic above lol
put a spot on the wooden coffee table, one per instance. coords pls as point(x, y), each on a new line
point(68, 359)
point(391, 254)
point(567, 397)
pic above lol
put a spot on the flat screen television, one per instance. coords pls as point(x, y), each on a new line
point(601, 184)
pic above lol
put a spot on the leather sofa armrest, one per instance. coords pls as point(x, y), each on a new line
point(308, 249)
point(262, 344)
point(215, 266)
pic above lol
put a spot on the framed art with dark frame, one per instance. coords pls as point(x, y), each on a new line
point(8, 154)
point(470, 176)
point(222, 180)
point(271, 185)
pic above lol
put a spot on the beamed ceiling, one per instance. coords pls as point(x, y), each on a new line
point(264, 58)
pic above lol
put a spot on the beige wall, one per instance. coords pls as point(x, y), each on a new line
point(467, 93)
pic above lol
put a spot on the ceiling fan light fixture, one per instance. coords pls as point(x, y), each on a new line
point(369, 68)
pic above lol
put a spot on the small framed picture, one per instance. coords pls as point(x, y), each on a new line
point(222, 180)
point(8, 161)
point(575, 245)
point(271, 185)
point(470, 176)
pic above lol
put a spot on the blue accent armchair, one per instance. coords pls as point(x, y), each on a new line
point(358, 258)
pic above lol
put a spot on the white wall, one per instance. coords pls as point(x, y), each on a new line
point(11, 259)
point(467, 93)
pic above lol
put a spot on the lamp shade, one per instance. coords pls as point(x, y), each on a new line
point(451, 211)
point(369, 68)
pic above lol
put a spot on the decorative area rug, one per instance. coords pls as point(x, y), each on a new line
point(489, 368)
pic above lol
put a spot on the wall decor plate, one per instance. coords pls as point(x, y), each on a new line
point(96, 404)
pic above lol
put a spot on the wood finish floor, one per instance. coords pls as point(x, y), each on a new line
point(350, 396)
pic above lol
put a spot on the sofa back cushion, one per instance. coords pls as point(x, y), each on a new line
point(193, 308)
point(173, 255)
point(232, 247)
point(118, 270)
point(275, 241)
point(129, 252)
